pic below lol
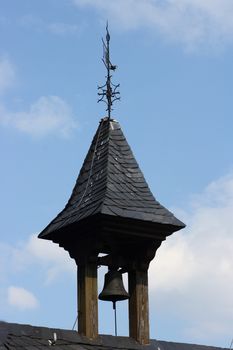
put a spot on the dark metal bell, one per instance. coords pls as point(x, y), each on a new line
point(114, 289)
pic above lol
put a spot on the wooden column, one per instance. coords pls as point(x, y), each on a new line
point(87, 300)
point(138, 306)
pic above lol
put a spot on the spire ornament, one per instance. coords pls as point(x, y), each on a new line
point(108, 92)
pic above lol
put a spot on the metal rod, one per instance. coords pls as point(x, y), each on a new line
point(109, 89)
point(115, 316)
point(75, 322)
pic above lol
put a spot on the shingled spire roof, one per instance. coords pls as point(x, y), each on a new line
point(111, 184)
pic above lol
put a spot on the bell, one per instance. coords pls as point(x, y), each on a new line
point(114, 289)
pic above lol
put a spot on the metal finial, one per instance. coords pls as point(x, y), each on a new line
point(108, 91)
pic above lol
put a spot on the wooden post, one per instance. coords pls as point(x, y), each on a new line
point(87, 300)
point(138, 306)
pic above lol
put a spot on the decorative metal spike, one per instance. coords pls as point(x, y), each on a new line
point(108, 92)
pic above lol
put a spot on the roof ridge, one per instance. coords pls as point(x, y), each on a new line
point(107, 167)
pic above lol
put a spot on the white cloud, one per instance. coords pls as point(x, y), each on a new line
point(21, 298)
point(55, 258)
point(190, 22)
point(45, 250)
point(193, 270)
point(44, 255)
point(7, 74)
point(48, 115)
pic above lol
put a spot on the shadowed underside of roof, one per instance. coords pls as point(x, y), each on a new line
point(111, 183)
point(19, 337)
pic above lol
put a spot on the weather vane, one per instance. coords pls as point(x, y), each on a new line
point(108, 92)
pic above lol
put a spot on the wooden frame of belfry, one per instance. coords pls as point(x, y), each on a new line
point(88, 303)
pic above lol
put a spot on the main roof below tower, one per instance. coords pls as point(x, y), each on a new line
point(26, 337)
point(111, 183)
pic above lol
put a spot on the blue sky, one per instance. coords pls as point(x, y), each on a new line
point(175, 68)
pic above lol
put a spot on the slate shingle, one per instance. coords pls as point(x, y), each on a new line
point(110, 182)
point(23, 337)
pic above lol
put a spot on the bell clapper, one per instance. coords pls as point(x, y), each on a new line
point(115, 316)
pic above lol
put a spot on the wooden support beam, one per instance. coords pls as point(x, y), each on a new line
point(138, 306)
point(87, 300)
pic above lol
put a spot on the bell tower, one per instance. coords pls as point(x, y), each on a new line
point(112, 211)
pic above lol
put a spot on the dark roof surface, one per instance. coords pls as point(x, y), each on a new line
point(19, 337)
point(111, 183)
